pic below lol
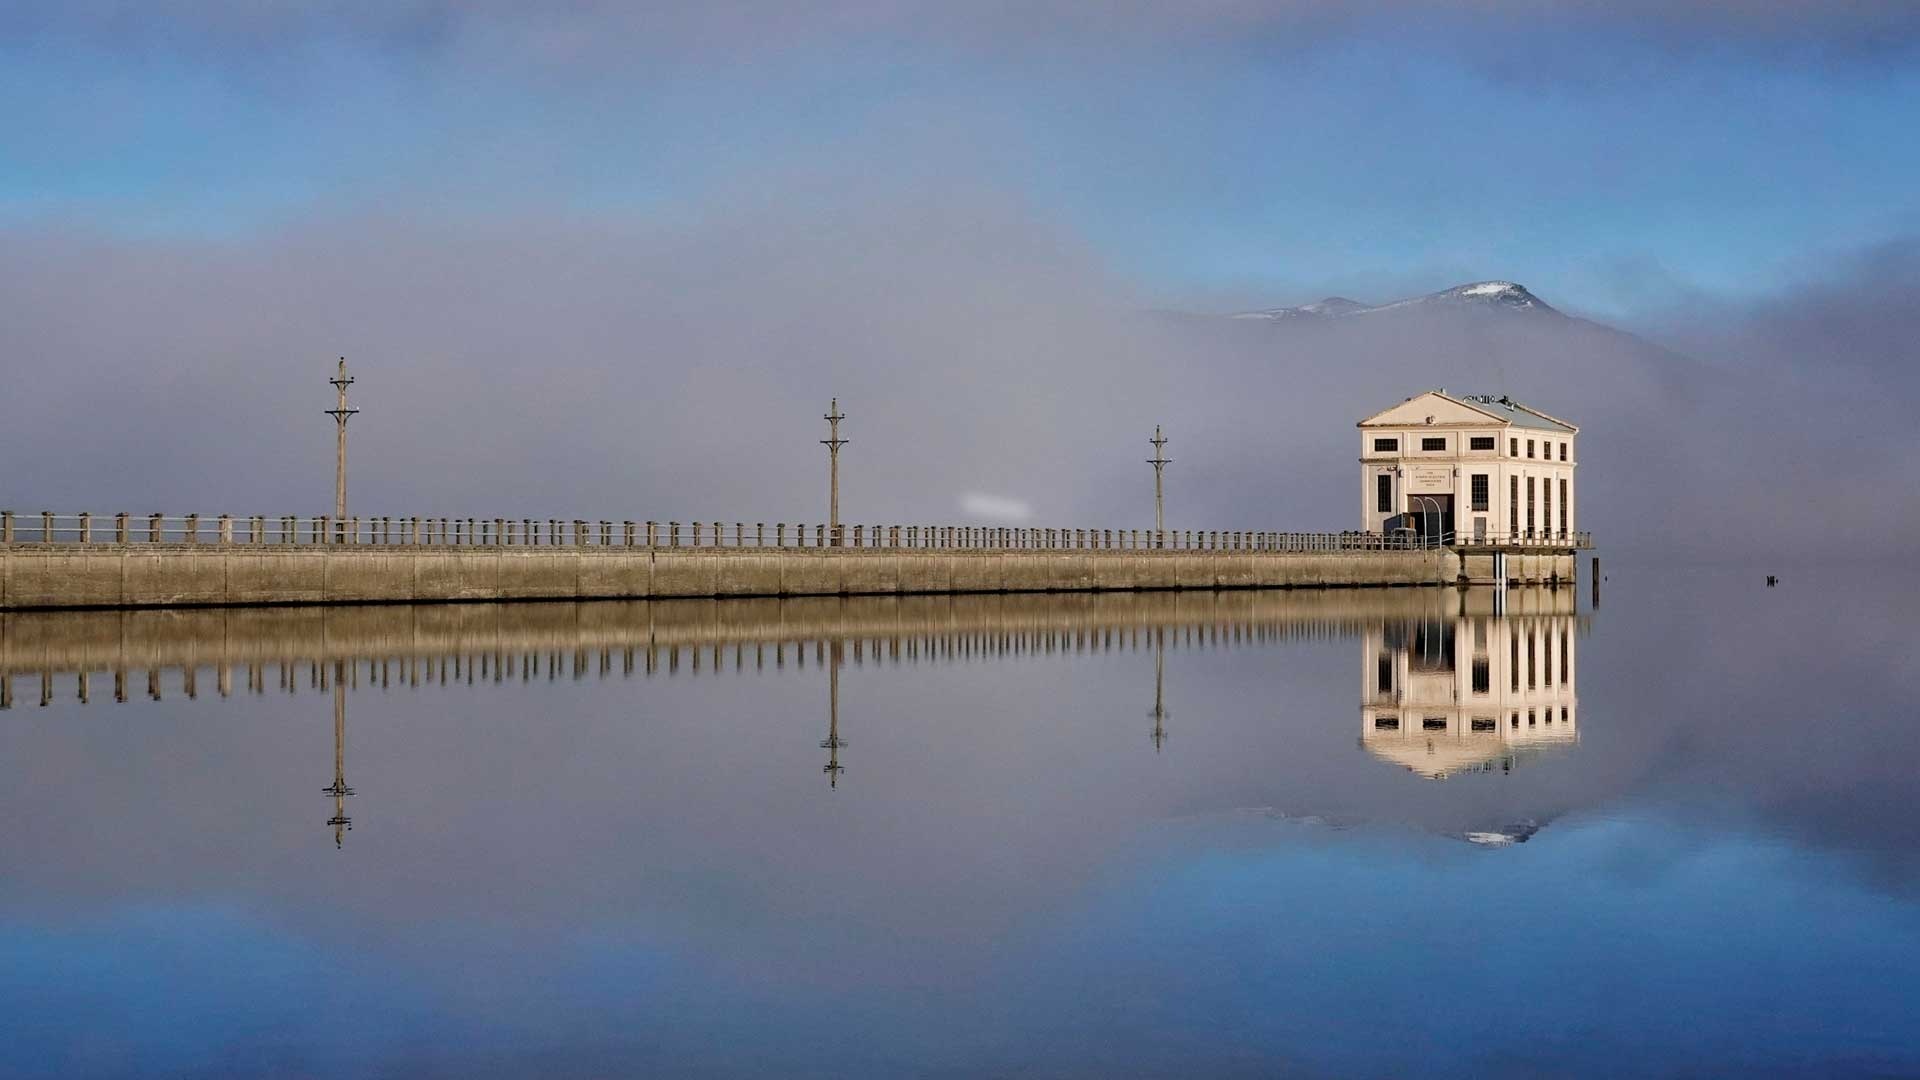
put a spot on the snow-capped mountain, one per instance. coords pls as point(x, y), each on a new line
point(1499, 295)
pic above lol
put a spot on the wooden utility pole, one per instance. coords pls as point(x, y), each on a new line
point(1159, 461)
point(833, 443)
point(340, 414)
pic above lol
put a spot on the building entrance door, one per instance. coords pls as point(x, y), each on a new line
point(1432, 518)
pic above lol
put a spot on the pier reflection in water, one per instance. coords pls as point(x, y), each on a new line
point(1450, 684)
point(602, 826)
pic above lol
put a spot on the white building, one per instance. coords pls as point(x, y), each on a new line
point(1476, 468)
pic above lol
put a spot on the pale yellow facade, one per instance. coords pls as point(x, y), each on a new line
point(1473, 469)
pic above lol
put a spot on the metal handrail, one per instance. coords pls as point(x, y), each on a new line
point(46, 528)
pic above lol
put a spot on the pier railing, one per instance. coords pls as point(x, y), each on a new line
point(289, 530)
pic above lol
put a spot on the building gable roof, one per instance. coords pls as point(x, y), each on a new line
point(1439, 408)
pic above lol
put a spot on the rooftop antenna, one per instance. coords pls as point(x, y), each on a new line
point(341, 414)
point(1159, 461)
point(339, 822)
point(833, 443)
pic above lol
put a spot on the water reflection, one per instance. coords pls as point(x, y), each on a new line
point(1019, 881)
point(1159, 713)
point(833, 742)
point(497, 643)
point(1470, 692)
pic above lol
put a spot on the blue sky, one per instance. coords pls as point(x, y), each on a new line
point(1251, 154)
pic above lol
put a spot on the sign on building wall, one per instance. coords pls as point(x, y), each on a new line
point(1430, 480)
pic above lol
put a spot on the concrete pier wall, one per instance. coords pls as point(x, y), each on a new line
point(181, 575)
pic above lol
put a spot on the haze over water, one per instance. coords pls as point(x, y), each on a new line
point(605, 840)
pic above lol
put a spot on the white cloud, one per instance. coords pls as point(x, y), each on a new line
point(994, 507)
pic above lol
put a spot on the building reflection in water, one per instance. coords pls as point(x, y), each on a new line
point(1470, 691)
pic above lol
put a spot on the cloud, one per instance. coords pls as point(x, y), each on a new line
point(977, 504)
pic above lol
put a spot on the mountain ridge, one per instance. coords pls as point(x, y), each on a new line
point(1493, 294)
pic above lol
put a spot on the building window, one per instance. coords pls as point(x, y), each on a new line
point(1563, 451)
point(1513, 659)
point(1533, 665)
point(1480, 497)
point(1563, 664)
point(1386, 446)
point(1481, 442)
point(1529, 447)
point(1383, 493)
point(1565, 523)
point(1433, 723)
point(1513, 447)
point(1482, 675)
point(1485, 723)
point(1386, 723)
point(1384, 675)
point(1529, 506)
point(1513, 507)
point(1546, 507)
point(1434, 444)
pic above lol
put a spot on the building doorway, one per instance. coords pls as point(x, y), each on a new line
point(1431, 517)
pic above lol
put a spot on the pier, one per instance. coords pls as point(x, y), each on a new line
point(51, 561)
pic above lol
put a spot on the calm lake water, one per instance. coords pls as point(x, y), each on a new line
point(1354, 833)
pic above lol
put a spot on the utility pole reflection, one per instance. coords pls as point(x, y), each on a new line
point(340, 822)
point(833, 742)
point(1159, 713)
